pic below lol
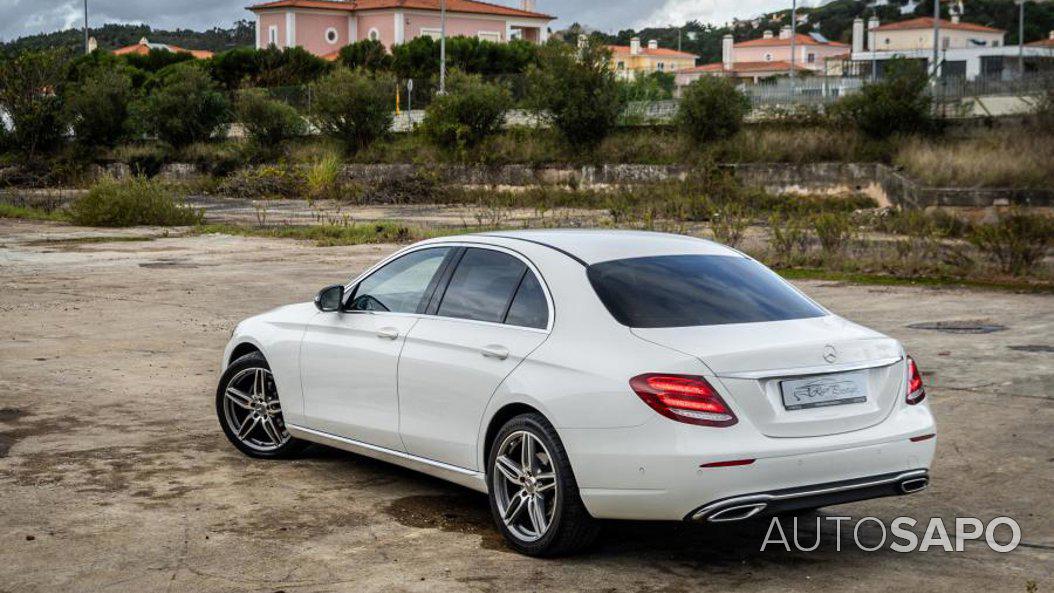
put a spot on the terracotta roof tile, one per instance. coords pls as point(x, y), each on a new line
point(469, 6)
point(926, 22)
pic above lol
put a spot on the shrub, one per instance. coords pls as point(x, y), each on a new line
point(31, 94)
point(470, 111)
point(157, 59)
point(578, 91)
point(788, 236)
point(266, 182)
point(652, 86)
point(267, 122)
point(1017, 241)
point(136, 201)
point(354, 107)
point(1043, 116)
point(97, 107)
point(712, 109)
point(897, 104)
point(185, 107)
point(728, 223)
point(834, 230)
point(368, 54)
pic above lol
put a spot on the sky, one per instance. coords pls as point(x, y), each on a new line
point(27, 17)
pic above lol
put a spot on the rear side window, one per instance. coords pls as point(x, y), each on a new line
point(528, 308)
point(693, 290)
point(482, 286)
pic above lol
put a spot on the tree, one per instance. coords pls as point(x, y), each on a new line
point(267, 122)
point(97, 106)
point(353, 106)
point(185, 106)
point(368, 54)
point(711, 109)
point(577, 90)
point(31, 92)
point(898, 104)
point(470, 111)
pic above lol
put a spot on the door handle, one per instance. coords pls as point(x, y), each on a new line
point(388, 333)
point(495, 351)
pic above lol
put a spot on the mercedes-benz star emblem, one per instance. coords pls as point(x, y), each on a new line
point(830, 354)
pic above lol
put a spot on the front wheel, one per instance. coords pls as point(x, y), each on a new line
point(533, 494)
point(249, 411)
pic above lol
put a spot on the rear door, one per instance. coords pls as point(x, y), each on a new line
point(493, 312)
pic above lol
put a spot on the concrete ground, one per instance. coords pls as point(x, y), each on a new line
point(114, 475)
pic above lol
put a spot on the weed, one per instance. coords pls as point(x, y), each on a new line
point(136, 201)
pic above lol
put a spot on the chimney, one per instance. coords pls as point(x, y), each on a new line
point(858, 35)
point(583, 40)
point(634, 46)
point(143, 41)
point(785, 32)
point(1050, 35)
point(93, 44)
point(726, 51)
point(767, 34)
point(527, 5)
point(872, 35)
point(653, 44)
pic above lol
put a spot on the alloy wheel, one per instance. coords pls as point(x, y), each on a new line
point(525, 485)
point(252, 410)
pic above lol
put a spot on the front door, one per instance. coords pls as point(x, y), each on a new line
point(493, 313)
point(349, 358)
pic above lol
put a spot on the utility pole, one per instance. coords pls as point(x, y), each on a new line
point(1021, 40)
point(794, 35)
point(936, 38)
point(442, 47)
point(87, 48)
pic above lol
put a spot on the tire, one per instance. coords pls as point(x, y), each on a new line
point(546, 494)
point(239, 405)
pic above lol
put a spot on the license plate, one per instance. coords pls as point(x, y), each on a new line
point(824, 390)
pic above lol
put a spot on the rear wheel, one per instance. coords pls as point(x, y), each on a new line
point(533, 494)
point(249, 410)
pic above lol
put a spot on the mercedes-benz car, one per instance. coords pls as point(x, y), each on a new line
point(577, 375)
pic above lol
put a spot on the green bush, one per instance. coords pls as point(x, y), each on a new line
point(354, 107)
point(470, 111)
point(31, 87)
point(834, 230)
point(265, 182)
point(368, 54)
point(899, 104)
point(653, 86)
point(578, 91)
point(98, 106)
point(712, 109)
point(267, 122)
point(729, 222)
point(186, 106)
point(1018, 241)
point(136, 201)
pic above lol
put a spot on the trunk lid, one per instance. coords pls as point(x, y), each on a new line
point(751, 360)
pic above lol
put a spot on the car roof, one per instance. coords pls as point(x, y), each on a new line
point(590, 246)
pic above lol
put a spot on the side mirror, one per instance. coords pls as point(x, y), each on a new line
point(330, 298)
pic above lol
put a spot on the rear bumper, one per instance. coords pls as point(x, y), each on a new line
point(737, 508)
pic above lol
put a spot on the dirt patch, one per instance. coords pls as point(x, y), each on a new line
point(170, 264)
point(1037, 348)
point(12, 414)
point(960, 327)
point(467, 513)
point(89, 240)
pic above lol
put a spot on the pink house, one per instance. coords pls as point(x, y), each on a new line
point(324, 26)
point(768, 56)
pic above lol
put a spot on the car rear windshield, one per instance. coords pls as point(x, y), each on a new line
point(691, 290)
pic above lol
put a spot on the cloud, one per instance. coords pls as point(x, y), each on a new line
point(717, 12)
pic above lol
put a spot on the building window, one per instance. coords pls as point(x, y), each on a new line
point(272, 35)
point(768, 57)
point(374, 34)
point(332, 36)
point(621, 65)
point(433, 33)
point(811, 58)
point(995, 43)
point(492, 36)
point(662, 66)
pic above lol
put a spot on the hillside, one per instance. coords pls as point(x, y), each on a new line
point(112, 36)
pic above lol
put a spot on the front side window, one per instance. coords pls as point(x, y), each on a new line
point(401, 285)
point(695, 290)
point(482, 286)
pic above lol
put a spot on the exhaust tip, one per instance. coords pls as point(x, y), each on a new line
point(737, 513)
point(914, 485)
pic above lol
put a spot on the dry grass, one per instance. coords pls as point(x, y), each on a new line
point(997, 158)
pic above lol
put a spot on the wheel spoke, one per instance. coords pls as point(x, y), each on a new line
point(239, 398)
point(527, 452)
point(271, 430)
point(508, 468)
point(258, 384)
point(516, 504)
point(536, 511)
point(546, 481)
point(247, 426)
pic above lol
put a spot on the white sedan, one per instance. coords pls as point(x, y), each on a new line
point(582, 375)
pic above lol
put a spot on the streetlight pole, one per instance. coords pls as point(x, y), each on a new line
point(936, 38)
point(87, 47)
point(1021, 40)
point(794, 35)
point(442, 47)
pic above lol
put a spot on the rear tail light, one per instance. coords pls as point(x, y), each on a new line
point(684, 398)
point(916, 392)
